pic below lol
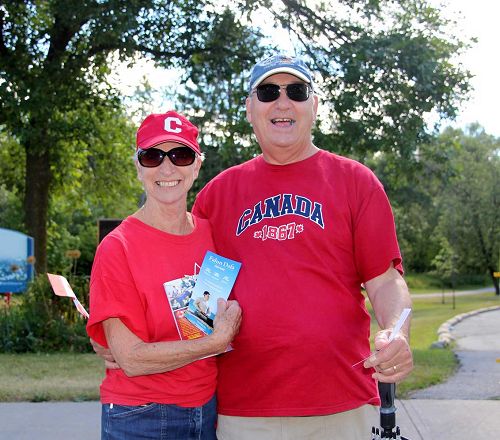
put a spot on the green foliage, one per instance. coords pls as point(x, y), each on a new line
point(469, 203)
point(12, 157)
point(446, 204)
point(11, 183)
point(422, 282)
point(10, 209)
point(99, 181)
point(445, 262)
point(44, 322)
point(54, 89)
point(382, 67)
point(214, 95)
point(412, 192)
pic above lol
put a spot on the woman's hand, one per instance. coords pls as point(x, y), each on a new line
point(136, 357)
point(227, 323)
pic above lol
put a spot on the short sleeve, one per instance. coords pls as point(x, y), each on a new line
point(375, 240)
point(198, 205)
point(113, 293)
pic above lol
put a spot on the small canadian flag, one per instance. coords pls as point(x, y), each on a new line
point(61, 287)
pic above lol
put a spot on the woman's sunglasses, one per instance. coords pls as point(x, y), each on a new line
point(271, 92)
point(153, 157)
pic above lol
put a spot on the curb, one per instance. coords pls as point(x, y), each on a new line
point(444, 331)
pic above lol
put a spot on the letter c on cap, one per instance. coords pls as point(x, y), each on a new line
point(173, 124)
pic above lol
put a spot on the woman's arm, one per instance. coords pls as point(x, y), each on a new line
point(137, 358)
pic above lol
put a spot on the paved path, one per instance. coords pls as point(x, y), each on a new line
point(449, 411)
point(449, 419)
point(450, 294)
point(467, 406)
point(50, 421)
point(477, 349)
point(418, 419)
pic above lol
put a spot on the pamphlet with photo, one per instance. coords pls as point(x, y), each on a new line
point(193, 298)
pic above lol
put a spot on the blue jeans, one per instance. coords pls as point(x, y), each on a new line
point(159, 422)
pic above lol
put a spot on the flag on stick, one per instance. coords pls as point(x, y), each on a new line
point(61, 287)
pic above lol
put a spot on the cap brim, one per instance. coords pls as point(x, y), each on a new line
point(289, 70)
point(156, 140)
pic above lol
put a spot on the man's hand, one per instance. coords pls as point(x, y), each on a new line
point(105, 353)
point(389, 295)
point(393, 361)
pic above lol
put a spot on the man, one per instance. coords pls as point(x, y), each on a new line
point(310, 228)
point(202, 309)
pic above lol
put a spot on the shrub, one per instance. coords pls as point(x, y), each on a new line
point(44, 322)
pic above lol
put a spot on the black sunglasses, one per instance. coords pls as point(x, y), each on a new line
point(271, 92)
point(153, 157)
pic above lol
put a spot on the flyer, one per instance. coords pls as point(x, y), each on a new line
point(193, 298)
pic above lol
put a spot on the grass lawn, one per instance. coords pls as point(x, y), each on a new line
point(76, 377)
point(42, 377)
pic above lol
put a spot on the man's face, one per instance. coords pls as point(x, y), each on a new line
point(282, 123)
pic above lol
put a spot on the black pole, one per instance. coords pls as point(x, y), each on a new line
point(387, 393)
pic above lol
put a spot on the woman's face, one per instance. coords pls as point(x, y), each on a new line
point(168, 183)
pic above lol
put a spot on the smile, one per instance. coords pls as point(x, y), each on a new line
point(162, 183)
point(282, 121)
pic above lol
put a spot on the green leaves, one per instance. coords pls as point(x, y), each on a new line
point(54, 95)
point(382, 67)
point(448, 210)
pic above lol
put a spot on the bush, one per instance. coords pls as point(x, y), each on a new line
point(44, 322)
point(435, 280)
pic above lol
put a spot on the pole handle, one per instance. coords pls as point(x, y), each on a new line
point(387, 393)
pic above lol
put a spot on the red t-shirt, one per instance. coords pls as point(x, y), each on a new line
point(307, 234)
point(130, 267)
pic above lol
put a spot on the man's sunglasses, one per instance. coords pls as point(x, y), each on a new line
point(153, 157)
point(271, 92)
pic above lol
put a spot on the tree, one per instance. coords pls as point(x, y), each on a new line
point(53, 66)
point(382, 65)
point(214, 95)
point(381, 68)
point(97, 180)
point(469, 203)
point(10, 175)
point(446, 205)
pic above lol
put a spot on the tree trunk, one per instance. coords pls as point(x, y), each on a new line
point(36, 202)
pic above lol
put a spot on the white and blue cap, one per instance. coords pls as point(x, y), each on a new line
point(279, 63)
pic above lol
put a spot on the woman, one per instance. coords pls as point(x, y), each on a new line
point(165, 387)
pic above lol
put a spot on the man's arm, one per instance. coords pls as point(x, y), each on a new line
point(389, 295)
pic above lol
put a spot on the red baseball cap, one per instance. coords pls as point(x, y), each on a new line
point(164, 127)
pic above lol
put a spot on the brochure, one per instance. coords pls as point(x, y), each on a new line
point(193, 299)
